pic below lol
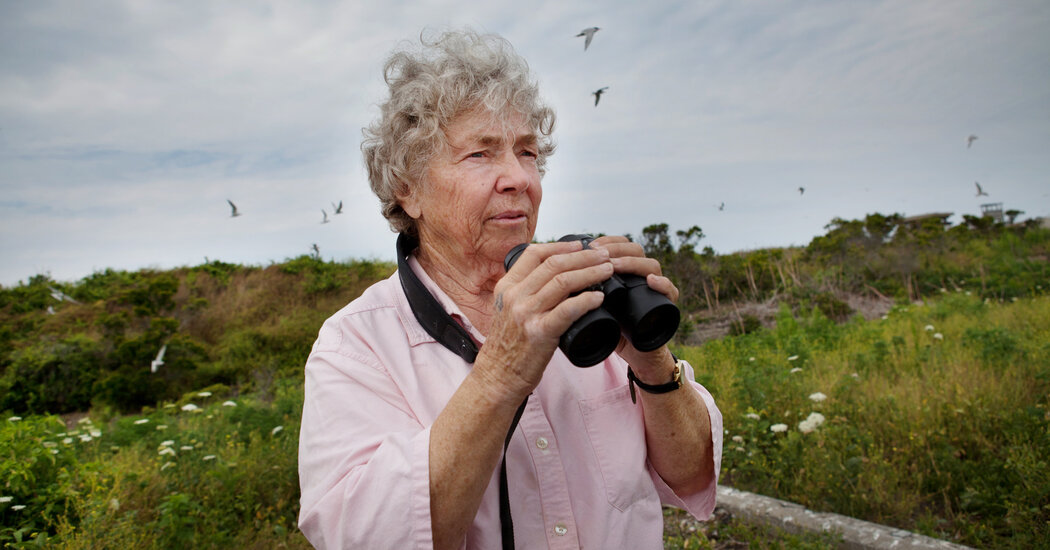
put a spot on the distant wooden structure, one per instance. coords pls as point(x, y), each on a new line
point(993, 210)
point(922, 219)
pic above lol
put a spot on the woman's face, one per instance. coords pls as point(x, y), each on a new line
point(483, 190)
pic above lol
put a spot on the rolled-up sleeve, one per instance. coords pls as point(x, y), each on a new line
point(363, 458)
point(701, 504)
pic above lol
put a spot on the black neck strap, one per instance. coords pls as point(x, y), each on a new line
point(435, 320)
point(439, 324)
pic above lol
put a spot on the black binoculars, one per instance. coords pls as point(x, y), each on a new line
point(646, 317)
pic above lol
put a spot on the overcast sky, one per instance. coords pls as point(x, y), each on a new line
point(125, 126)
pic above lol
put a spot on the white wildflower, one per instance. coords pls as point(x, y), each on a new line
point(938, 336)
point(738, 438)
point(190, 407)
point(739, 449)
point(68, 441)
point(792, 358)
point(142, 421)
point(812, 422)
point(228, 404)
point(54, 451)
point(208, 457)
point(186, 448)
point(85, 438)
point(6, 499)
point(14, 418)
point(114, 505)
point(49, 444)
point(276, 430)
point(166, 466)
point(18, 507)
point(166, 451)
point(777, 428)
point(855, 376)
point(161, 427)
point(817, 397)
point(752, 416)
point(204, 394)
point(752, 359)
point(796, 369)
point(96, 433)
point(169, 405)
point(929, 328)
point(167, 443)
point(85, 420)
point(884, 317)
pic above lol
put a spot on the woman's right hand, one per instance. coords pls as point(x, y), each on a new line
point(534, 306)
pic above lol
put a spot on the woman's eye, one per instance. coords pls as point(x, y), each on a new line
point(528, 154)
point(477, 155)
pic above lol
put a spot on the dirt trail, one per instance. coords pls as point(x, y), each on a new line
point(712, 324)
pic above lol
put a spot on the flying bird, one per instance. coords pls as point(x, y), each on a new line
point(233, 209)
point(338, 208)
point(316, 249)
point(598, 94)
point(722, 207)
point(61, 296)
point(325, 214)
point(801, 190)
point(156, 363)
point(970, 140)
point(979, 190)
point(589, 33)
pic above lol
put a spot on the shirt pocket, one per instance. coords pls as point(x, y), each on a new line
point(617, 434)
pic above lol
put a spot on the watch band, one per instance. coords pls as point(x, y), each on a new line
point(674, 384)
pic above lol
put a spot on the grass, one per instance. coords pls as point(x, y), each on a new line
point(946, 435)
point(936, 417)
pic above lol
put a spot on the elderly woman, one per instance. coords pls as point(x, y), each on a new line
point(439, 411)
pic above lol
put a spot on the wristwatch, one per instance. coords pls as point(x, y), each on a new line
point(674, 384)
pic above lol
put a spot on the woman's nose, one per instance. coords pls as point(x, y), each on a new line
point(514, 175)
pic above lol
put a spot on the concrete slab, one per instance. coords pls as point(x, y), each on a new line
point(856, 534)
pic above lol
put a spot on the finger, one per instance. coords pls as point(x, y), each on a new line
point(664, 286)
point(640, 266)
point(536, 254)
point(557, 288)
point(539, 292)
point(568, 311)
point(554, 267)
point(618, 246)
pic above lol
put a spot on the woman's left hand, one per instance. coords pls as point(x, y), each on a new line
point(629, 257)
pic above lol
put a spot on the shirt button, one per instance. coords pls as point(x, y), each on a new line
point(541, 443)
point(560, 529)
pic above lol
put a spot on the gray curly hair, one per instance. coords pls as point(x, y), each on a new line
point(455, 73)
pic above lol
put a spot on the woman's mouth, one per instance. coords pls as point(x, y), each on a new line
point(509, 216)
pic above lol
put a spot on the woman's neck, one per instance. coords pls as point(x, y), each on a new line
point(466, 278)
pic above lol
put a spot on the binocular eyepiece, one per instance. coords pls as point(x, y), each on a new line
point(646, 317)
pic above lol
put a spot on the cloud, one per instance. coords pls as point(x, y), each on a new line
point(125, 126)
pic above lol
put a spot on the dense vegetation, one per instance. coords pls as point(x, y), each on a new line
point(934, 419)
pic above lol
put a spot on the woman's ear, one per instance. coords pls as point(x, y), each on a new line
point(410, 202)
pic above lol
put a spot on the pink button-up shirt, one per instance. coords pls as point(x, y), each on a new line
point(576, 465)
